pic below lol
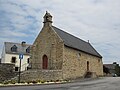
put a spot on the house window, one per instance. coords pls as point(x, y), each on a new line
point(13, 60)
point(14, 48)
point(28, 60)
point(16, 68)
point(28, 50)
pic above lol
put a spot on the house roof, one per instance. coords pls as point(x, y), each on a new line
point(20, 48)
point(76, 43)
point(109, 66)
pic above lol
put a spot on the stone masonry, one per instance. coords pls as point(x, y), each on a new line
point(48, 43)
point(7, 71)
point(42, 75)
point(75, 64)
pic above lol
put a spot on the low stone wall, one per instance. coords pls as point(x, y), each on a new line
point(43, 75)
point(7, 71)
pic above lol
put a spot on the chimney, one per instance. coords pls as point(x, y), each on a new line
point(23, 43)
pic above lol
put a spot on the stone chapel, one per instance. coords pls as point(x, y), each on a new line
point(56, 50)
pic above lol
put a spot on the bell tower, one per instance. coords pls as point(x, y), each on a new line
point(47, 19)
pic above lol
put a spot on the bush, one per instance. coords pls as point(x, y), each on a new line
point(117, 70)
point(5, 82)
point(43, 81)
point(38, 81)
point(34, 81)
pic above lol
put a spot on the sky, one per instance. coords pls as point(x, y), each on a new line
point(95, 20)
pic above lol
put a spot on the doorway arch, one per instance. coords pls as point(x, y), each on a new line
point(44, 62)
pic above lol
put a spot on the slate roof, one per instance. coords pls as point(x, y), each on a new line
point(76, 43)
point(109, 66)
point(20, 48)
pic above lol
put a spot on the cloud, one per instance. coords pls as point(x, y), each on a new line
point(7, 33)
point(94, 20)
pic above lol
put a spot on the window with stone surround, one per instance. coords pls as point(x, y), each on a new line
point(13, 60)
point(99, 60)
point(79, 55)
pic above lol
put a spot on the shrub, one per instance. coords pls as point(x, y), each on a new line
point(43, 81)
point(34, 81)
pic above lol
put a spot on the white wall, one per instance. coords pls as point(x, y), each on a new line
point(24, 63)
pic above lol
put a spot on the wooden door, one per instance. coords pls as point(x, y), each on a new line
point(45, 62)
point(87, 65)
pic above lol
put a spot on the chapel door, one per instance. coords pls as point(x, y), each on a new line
point(87, 65)
point(45, 62)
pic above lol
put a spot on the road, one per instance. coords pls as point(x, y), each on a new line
point(106, 83)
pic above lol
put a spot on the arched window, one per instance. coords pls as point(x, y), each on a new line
point(44, 62)
point(79, 55)
point(14, 48)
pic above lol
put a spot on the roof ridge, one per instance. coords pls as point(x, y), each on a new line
point(17, 43)
point(70, 34)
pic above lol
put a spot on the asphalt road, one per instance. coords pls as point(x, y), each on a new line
point(107, 83)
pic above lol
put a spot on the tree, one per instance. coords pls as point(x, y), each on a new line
point(117, 69)
point(106, 70)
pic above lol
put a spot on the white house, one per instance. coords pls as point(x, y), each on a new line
point(11, 52)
